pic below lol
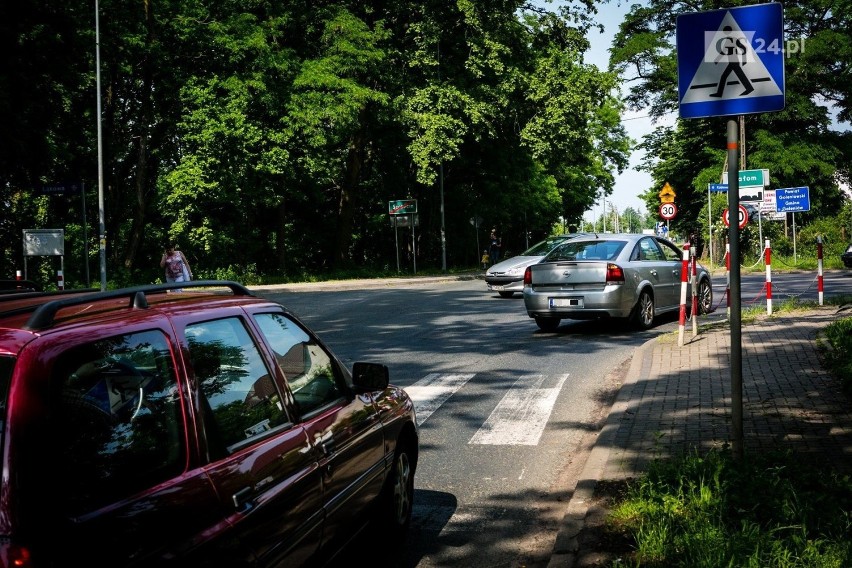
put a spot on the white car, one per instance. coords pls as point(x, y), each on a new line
point(507, 276)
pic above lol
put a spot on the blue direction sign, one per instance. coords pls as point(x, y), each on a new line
point(731, 61)
point(793, 199)
point(718, 187)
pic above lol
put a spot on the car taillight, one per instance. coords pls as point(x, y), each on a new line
point(527, 276)
point(614, 274)
point(14, 556)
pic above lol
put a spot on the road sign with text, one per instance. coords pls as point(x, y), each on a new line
point(731, 61)
point(402, 207)
point(792, 199)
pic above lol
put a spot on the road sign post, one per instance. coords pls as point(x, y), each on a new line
point(731, 62)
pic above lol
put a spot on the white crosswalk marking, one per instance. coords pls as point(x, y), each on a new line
point(430, 392)
point(520, 418)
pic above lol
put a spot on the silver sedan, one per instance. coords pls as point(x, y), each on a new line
point(630, 276)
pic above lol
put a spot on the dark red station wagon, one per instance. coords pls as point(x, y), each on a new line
point(207, 427)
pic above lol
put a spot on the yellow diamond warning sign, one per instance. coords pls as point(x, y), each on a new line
point(667, 195)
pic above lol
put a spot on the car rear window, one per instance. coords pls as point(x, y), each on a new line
point(586, 250)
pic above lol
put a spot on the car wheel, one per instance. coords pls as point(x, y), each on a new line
point(705, 297)
point(507, 294)
point(643, 312)
point(394, 514)
point(547, 324)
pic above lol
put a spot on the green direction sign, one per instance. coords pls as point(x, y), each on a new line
point(402, 207)
point(750, 178)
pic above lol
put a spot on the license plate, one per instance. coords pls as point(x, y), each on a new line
point(566, 302)
point(496, 287)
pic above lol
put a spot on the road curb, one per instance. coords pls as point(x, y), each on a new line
point(566, 547)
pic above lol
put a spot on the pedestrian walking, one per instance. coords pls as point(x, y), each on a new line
point(176, 265)
point(496, 243)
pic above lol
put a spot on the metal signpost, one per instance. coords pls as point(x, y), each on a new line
point(790, 200)
point(73, 188)
point(44, 242)
point(731, 62)
point(404, 207)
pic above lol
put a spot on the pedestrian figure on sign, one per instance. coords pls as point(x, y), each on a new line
point(494, 247)
point(730, 49)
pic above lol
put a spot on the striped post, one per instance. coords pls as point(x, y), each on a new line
point(728, 278)
point(819, 269)
point(60, 282)
point(684, 277)
point(768, 255)
point(694, 262)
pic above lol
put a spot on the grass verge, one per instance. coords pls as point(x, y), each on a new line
point(713, 510)
point(764, 510)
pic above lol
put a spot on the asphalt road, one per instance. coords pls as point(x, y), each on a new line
point(507, 413)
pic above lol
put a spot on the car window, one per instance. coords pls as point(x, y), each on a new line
point(586, 250)
point(307, 367)
point(542, 248)
point(647, 250)
point(118, 419)
point(670, 251)
point(242, 399)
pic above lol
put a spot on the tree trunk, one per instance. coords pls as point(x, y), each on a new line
point(346, 207)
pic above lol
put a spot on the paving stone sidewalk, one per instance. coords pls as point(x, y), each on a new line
point(678, 398)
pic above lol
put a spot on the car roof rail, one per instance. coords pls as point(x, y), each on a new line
point(44, 315)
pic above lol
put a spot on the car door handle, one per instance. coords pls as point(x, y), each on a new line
point(241, 500)
point(654, 272)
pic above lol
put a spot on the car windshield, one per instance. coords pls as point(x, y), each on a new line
point(586, 250)
point(544, 247)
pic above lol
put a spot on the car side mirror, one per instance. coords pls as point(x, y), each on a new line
point(370, 376)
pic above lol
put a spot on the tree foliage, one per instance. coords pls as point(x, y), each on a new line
point(806, 144)
point(267, 138)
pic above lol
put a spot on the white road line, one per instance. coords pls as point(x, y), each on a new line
point(520, 418)
point(433, 390)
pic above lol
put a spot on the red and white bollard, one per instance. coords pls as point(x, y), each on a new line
point(768, 257)
point(728, 278)
point(60, 282)
point(18, 275)
point(684, 277)
point(819, 269)
point(694, 262)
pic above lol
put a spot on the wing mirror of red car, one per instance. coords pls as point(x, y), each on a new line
point(370, 376)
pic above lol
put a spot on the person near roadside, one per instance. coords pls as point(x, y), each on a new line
point(494, 247)
point(176, 265)
point(485, 259)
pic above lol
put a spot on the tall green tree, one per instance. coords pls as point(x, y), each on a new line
point(800, 145)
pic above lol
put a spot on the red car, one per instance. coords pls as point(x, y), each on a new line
point(209, 427)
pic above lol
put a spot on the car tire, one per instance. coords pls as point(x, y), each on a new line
point(506, 294)
point(705, 297)
point(643, 311)
point(397, 500)
point(547, 323)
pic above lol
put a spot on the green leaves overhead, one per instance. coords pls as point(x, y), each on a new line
point(273, 134)
point(800, 145)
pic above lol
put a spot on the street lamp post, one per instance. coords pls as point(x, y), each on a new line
point(101, 225)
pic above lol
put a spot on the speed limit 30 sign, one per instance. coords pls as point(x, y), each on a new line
point(668, 211)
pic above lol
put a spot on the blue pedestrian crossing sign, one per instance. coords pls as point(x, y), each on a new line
point(731, 61)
